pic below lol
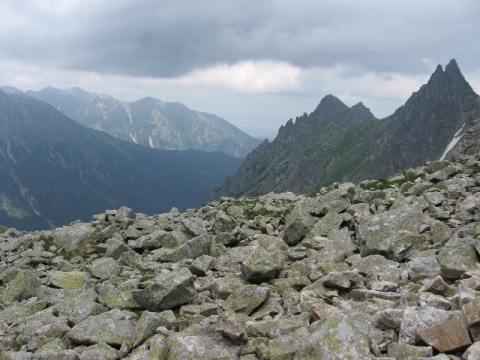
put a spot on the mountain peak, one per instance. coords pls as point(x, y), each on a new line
point(452, 67)
point(330, 103)
point(361, 111)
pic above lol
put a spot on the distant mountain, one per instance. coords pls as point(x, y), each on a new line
point(338, 143)
point(54, 170)
point(150, 122)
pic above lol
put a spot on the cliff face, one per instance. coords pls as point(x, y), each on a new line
point(422, 128)
point(386, 268)
point(338, 143)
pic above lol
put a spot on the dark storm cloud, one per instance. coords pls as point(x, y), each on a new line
point(171, 38)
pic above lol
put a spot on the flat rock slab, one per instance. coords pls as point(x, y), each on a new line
point(167, 291)
point(447, 336)
point(471, 312)
point(114, 328)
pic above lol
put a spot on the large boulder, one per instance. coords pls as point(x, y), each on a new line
point(299, 222)
point(390, 233)
point(114, 327)
point(24, 286)
point(201, 343)
point(337, 338)
point(167, 291)
point(75, 239)
point(261, 265)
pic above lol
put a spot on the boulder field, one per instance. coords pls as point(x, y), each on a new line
point(382, 269)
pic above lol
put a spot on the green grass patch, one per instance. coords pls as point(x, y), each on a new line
point(475, 168)
point(382, 184)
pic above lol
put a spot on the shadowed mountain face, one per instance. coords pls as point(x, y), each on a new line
point(150, 122)
point(54, 170)
point(338, 143)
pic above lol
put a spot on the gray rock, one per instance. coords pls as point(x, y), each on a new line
point(167, 291)
point(423, 267)
point(74, 239)
point(247, 298)
point(473, 352)
point(24, 286)
point(401, 351)
point(146, 326)
point(125, 217)
point(283, 348)
point(457, 257)
point(103, 268)
point(471, 312)
point(382, 233)
point(343, 280)
point(232, 326)
point(417, 318)
point(338, 337)
point(261, 265)
point(55, 350)
point(201, 343)
point(16, 355)
point(119, 297)
point(298, 223)
point(113, 327)
point(80, 307)
point(388, 318)
point(202, 264)
point(68, 280)
point(378, 268)
point(115, 248)
point(100, 351)
point(198, 246)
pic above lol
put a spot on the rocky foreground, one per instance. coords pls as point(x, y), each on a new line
point(383, 269)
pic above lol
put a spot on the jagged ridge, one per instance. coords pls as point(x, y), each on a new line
point(338, 143)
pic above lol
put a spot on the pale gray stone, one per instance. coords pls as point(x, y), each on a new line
point(75, 238)
point(417, 318)
point(100, 351)
point(113, 327)
point(338, 337)
point(167, 291)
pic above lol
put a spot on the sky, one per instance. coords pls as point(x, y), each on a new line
point(255, 63)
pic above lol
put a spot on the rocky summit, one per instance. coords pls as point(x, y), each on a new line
point(380, 269)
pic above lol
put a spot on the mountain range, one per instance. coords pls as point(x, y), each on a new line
point(150, 122)
point(340, 143)
point(54, 170)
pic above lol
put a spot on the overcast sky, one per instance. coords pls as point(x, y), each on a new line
point(256, 63)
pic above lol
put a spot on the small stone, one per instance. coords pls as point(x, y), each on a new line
point(436, 285)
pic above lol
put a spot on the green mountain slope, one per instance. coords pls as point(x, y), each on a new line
point(54, 170)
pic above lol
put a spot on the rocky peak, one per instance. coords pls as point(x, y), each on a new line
point(457, 80)
point(330, 105)
point(362, 112)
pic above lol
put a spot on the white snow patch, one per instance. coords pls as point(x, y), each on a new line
point(130, 117)
point(134, 137)
point(150, 141)
point(455, 140)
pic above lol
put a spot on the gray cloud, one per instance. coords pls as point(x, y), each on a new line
point(171, 38)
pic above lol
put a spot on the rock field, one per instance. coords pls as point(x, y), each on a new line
point(382, 269)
